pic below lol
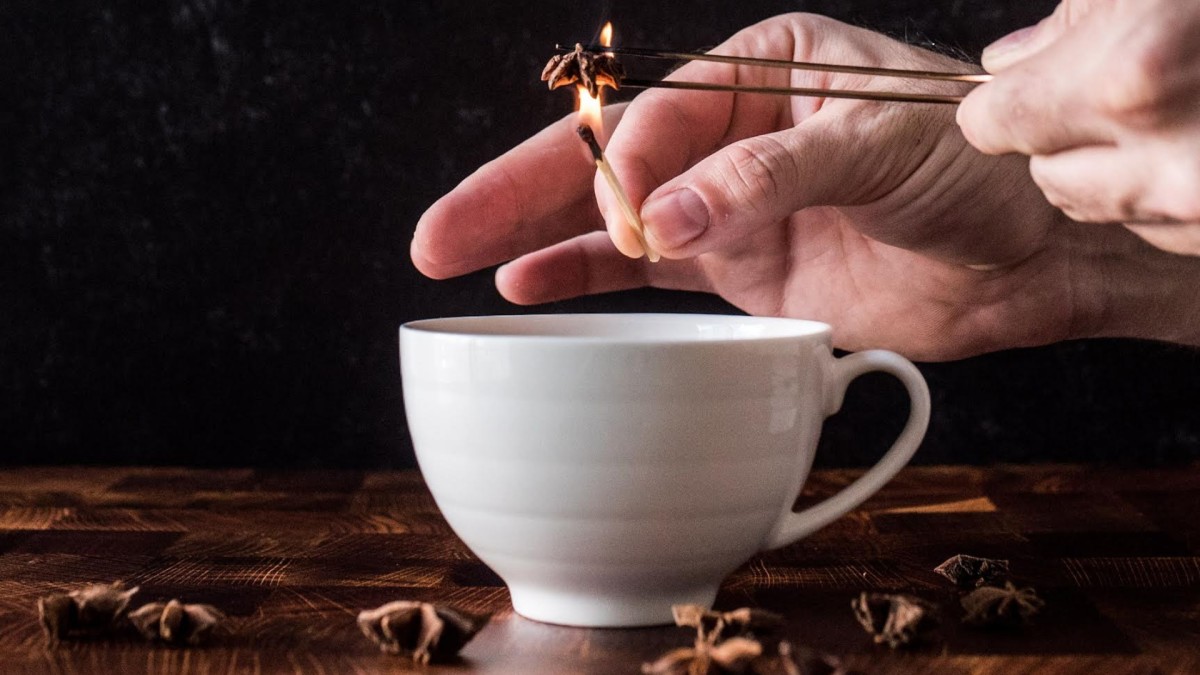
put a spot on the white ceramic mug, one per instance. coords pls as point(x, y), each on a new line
point(610, 466)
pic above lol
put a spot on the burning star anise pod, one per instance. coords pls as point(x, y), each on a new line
point(592, 70)
point(1009, 606)
point(420, 630)
point(895, 620)
point(967, 571)
point(87, 612)
point(731, 656)
point(175, 623)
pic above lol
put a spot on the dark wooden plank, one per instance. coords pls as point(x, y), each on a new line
point(292, 557)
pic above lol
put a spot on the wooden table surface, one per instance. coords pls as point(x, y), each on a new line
point(293, 556)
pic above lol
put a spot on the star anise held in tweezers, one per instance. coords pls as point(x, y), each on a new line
point(593, 70)
point(988, 606)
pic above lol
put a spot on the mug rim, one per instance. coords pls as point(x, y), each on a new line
point(491, 327)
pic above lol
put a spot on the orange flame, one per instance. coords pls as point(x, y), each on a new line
point(589, 111)
point(589, 106)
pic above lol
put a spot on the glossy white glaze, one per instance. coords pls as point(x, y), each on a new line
point(609, 466)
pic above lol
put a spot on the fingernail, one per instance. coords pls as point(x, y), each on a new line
point(1008, 48)
point(676, 218)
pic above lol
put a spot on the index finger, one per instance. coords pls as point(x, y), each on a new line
point(535, 195)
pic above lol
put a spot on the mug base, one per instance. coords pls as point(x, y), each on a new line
point(606, 610)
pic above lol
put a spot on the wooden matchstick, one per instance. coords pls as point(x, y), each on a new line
point(631, 215)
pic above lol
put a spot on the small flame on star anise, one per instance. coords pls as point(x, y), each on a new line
point(593, 70)
point(87, 612)
point(895, 620)
point(420, 630)
point(176, 623)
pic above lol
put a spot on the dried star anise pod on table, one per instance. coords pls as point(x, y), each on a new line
point(1009, 606)
point(743, 656)
point(176, 623)
point(730, 656)
point(968, 571)
point(895, 620)
point(751, 621)
point(423, 631)
point(738, 641)
point(743, 622)
point(591, 69)
point(88, 612)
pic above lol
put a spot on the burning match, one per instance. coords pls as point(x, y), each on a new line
point(605, 169)
point(591, 72)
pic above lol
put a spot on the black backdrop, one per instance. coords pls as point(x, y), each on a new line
point(206, 206)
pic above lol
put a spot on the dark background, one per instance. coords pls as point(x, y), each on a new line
point(206, 206)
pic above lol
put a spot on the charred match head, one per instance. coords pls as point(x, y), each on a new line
point(585, 132)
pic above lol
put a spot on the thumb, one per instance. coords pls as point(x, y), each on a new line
point(745, 186)
point(1024, 43)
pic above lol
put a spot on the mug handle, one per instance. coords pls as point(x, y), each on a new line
point(794, 525)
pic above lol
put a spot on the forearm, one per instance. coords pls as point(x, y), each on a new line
point(1128, 288)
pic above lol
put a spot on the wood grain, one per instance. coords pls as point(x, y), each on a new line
point(292, 557)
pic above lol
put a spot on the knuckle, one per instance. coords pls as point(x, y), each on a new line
point(1023, 122)
point(1139, 86)
point(1188, 174)
point(1180, 196)
point(1190, 192)
point(976, 121)
point(997, 117)
point(758, 170)
point(1057, 198)
point(804, 24)
point(792, 33)
point(1066, 198)
point(1073, 11)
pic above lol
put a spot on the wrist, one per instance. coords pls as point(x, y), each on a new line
point(1124, 287)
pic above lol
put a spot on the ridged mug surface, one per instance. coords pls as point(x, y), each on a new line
point(610, 466)
point(609, 474)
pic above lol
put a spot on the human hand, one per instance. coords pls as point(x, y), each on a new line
point(876, 218)
point(1105, 97)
